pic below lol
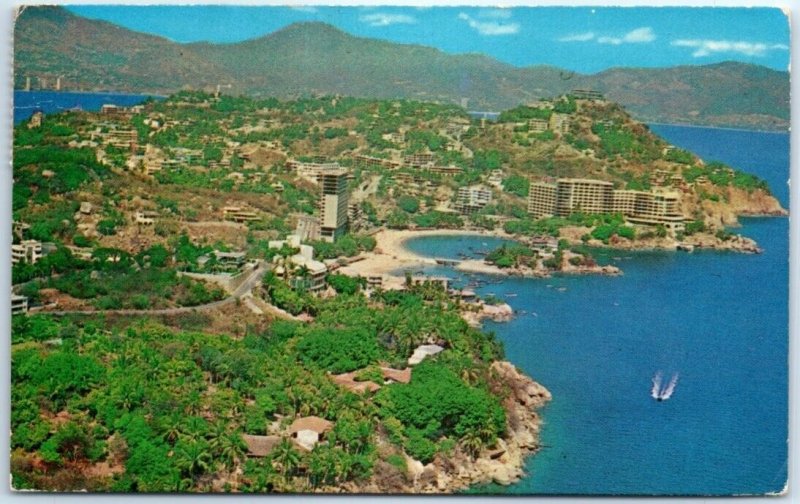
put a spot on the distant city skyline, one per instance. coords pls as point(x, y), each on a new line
point(582, 39)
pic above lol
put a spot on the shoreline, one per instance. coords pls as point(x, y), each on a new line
point(503, 463)
point(727, 128)
point(65, 91)
point(391, 254)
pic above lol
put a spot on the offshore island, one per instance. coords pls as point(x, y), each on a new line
point(212, 293)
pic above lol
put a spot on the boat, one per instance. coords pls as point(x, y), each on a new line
point(661, 392)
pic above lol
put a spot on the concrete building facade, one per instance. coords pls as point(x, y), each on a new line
point(19, 304)
point(538, 125)
point(471, 199)
point(590, 196)
point(542, 199)
point(238, 214)
point(307, 228)
point(333, 204)
point(29, 251)
point(583, 195)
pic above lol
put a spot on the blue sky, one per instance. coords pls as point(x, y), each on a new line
point(583, 39)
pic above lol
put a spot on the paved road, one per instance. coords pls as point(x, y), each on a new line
point(246, 287)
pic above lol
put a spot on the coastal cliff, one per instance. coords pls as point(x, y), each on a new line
point(737, 202)
point(502, 463)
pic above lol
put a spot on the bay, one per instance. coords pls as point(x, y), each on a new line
point(53, 102)
point(717, 320)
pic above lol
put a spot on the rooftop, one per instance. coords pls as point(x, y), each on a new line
point(312, 423)
point(260, 446)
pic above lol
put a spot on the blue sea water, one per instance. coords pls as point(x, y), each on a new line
point(719, 320)
point(50, 102)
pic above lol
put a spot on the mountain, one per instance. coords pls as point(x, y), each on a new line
point(729, 93)
point(317, 58)
point(95, 55)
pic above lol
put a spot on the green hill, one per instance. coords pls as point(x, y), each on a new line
point(315, 58)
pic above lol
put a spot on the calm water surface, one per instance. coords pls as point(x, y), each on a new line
point(717, 320)
point(52, 102)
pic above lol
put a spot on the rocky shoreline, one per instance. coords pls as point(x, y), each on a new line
point(502, 463)
point(735, 243)
point(481, 266)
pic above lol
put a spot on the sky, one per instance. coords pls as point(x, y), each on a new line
point(582, 39)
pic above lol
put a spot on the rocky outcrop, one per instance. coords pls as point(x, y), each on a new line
point(502, 463)
point(736, 243)
point(739, 202)
point(498, 313)
point(757, 202)
point(474, 313)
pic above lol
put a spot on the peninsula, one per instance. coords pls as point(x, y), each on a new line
point(211, 292)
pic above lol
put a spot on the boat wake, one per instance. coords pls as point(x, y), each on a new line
point(661, 392)
point(656, 385)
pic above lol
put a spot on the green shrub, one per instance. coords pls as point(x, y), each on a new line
point(408, 204)
point(437, 403)
point(693, 227)
point(339, 350)
point(397, 461)
point(517, 184)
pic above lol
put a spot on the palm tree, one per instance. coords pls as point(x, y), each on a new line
point(216, 437)
point(193, 458)
point(303, 271)
point(192, 429)
point(287, 457)
point(232, 449)
point(173, 429)
point(472, 442)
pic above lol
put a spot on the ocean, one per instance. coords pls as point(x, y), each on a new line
point(716, 320)
point(53, 102)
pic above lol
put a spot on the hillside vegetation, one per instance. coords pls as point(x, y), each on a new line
point(315, 58)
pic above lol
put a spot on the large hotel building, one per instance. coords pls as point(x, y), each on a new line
point(591, 196)
point(333, 203)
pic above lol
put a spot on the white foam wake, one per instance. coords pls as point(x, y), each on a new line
point(656, 385)
point(669, 389)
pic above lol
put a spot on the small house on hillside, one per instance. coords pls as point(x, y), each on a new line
point(308, 431)
point(260, 446)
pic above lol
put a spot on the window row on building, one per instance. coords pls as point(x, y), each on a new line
point(570, 195)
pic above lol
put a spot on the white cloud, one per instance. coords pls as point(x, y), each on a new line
point(637, 36)
point(705, 47)
point(577, 37)
point(384, 19)
point(640, 35)
point(490, 27)
point(609, 40)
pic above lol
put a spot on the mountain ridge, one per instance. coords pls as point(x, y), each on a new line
point(318, 58)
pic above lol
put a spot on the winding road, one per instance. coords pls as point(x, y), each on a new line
point(246, 287)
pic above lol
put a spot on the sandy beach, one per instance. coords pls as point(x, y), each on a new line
point(391, 254)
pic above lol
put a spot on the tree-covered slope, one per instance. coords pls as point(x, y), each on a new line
point(310, 58)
